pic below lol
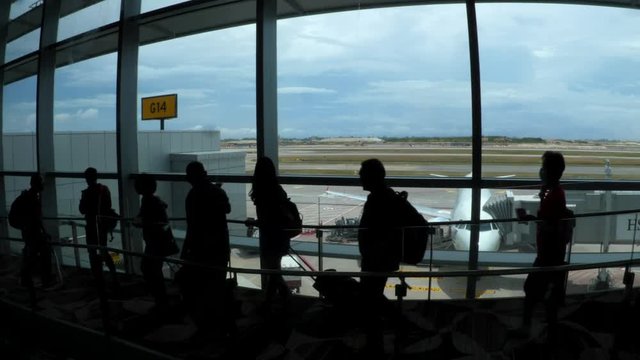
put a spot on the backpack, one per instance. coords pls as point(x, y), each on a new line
point(109, 221)
point(292, 220)
point(413, 241)
point(19, 211)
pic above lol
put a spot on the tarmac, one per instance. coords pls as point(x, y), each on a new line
point(67, 323)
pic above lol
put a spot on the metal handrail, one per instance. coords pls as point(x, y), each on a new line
point(72, 221)
point(329, 227)
point(412, 274)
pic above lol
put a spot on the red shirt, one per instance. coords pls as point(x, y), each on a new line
point(549, 242)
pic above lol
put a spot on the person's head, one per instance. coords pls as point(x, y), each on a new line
point(372, 174)
point(91, 176)
point(195, 172)
point(145, 184)
point(552, 167)
point(264, 177)
point(265, 171)
point(36, 183)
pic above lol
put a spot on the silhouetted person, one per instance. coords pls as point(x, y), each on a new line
point(207, 243)
point(94, 203)
point(154, 222)
point(378, 229)
point(36, 251)
point(379, 251)
point(268, 197)
point(550, 243)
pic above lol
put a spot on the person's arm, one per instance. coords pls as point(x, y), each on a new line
point(523, 216)
point(105, 199)
point(226, 206)
point(83, 203)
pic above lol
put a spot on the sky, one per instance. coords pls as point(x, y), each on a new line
point(550, 71)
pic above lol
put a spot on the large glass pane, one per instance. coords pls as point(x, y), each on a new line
point(19, 7)
point(596, 238)
point(559, 77)
point(214, 82)
point(85, 115)
point(102, 13)
point(389, 83)
point(23, 45)
point(69, 192)
point(340, 207)
point(149, 5)
point(19, 125)
point(13, 186)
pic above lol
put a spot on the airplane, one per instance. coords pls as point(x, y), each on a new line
point(490, 237)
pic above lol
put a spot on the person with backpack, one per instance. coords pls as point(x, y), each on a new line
point(379, 229)
point(26, 215)
point(378, 241)
point(270, 201)
point(95, 203)
point(551, 243)
point(158, 239)
point(206, 243)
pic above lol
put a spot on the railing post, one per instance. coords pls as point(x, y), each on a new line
point(319, 237)
point(430, 263)
point(74, 238)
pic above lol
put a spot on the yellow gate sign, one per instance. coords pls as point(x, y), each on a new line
point(160, 107)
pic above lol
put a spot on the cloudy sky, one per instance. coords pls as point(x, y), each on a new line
point(552, 71)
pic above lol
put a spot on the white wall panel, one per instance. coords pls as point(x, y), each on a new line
point(79, 152)
point(62, 144)
point(97, 150)
point(111, 149)
point(23, 147)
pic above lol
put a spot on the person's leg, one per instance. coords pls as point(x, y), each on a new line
point(373, 297)
point(28, 262)
point(534, 290)
point(271, 262)
point(44, 253)
point(106, 257)
point(152, 272)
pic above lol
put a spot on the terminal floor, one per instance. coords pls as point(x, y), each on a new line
point(67, 324)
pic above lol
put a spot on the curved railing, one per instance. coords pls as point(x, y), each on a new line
point(77, 222)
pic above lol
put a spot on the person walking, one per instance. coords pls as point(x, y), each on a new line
point(269, 199)
point(36, 251)
point(95, 203)
point(206, 245)
point(551, 242)
point(157, 236)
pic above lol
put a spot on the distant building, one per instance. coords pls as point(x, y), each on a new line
point(158, 152)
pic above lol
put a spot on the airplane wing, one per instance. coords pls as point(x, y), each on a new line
point(345, 195)
point(440, 214)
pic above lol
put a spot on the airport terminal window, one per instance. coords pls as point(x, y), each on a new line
point(13, 186)
point(559, 77)
point(23, 45)
point(593, 234)
point(150, 5)
point(68, 192)
point(19, 7)
point(214, 80)
point(102, 13)
point(19, 125)
point(85, 115)
point(391, 83)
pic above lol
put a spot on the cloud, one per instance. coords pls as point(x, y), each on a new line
point(81, 115)
point(95, 101)
point(236, 133)
point(304, 90)
point(546, 70)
